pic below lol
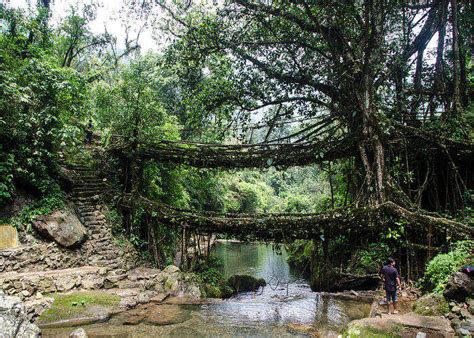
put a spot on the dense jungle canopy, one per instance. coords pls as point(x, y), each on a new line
point(341, 124)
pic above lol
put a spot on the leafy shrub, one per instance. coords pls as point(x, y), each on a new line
point(443, 265)
point(207, 271)
point(6, 176)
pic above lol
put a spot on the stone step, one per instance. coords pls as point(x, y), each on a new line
point(90, 213)
point(89, 177)
point(84, 209)
point(90, 185)
point(95, 222)
point(100, 231)
point(87, 193)
point(84, 200)
point(89, 182)
point(83, 205)
point(92, 182)
point(93, 219)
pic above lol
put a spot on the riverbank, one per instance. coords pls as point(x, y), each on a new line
point(213, 317)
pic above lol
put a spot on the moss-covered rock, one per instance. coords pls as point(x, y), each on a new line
point(219, 291)
point(244, 283)
point(90, 304)
point(431, 305)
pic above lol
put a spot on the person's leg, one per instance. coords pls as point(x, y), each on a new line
point(389, 300)
point(395, 311)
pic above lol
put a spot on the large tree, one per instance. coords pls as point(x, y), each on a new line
point(355, 69)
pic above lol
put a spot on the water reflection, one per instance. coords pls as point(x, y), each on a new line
point(258, 260)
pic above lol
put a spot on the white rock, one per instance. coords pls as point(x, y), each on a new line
point(13, 321)
point(79, 333)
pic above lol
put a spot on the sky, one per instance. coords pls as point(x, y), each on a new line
point(111, 15)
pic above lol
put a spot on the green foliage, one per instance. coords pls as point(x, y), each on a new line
point(6, 176)
point(36, 98)
point(370, 260)
point(54, 200)
point(207, 270)
point(299, 253)
point(443, 265)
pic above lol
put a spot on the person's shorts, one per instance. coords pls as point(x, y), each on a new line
point(391, 296)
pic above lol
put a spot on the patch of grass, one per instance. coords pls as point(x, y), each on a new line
point(356, 331)
point(77, 304)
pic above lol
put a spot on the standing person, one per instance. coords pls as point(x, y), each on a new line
point(391, 280)
point(89, 132)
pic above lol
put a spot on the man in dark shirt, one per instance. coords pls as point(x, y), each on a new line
point(391, 280)
point(89, 133)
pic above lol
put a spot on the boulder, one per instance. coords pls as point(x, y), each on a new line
point(13, 320)
point(459, 287)
point(431, 305)
point(245, 283)
point(63, 227)
point(172, 283)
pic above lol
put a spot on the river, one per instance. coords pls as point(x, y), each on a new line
point(287, 301)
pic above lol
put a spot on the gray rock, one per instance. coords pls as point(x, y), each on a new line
point(172, 283)
point(63, 227)
point(459, 287)
point(13, 320)
point(451, 316)
point(463, 332)
point(465, 313)
point(92, 282)
point(79, 333)
point(67, 282)
point(143, 298)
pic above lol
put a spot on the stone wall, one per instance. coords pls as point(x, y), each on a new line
point(51, 256)
point(100, 249)
point(138, 285)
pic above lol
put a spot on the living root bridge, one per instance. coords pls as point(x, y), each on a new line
point(280, 155)
point(205, 155)
point(365, 222)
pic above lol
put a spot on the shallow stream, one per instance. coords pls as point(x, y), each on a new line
point(283, 305)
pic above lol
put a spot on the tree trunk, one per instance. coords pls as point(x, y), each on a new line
point(456, 60)
point(371, 151)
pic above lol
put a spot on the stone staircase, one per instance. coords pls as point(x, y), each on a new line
point(87, 194)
